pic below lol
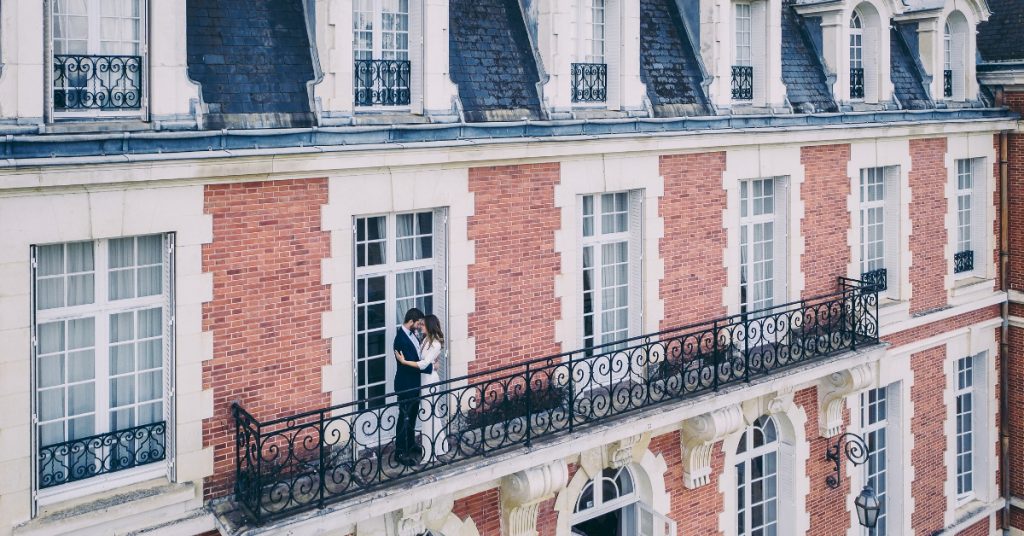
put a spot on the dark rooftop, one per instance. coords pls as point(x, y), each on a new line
point(1001, 38)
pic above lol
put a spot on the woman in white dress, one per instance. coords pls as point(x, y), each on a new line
point(433, 407)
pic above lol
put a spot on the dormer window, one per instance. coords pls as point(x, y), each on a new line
point(590, 70)
point(743, 67)
point(865, 54)
point(856, 57)
point(380, 43)
point(97, 53)
point(954, 50)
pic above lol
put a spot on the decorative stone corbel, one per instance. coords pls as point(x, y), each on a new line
point(832, 393)
point(698, 437)
point(620, 453)
point(418, 518)
point(522, 493)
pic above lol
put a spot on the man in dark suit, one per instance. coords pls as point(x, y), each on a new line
point(407, 385)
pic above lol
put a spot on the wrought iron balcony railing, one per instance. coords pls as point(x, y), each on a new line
point(100, 454)
point(383, 82)
point(856, 82)
point(877, 279)
point(589, 82)
point(963, 262)
point(308, 460)
point(97, 82)
point(947, 83)
point(742, 82)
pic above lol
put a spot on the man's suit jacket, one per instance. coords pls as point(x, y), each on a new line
point(408, 377)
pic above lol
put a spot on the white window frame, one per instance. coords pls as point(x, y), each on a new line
point(752, 219)
point(390, 269)
point(971, 213)
point(592, 37)
point(94, 47)
point(887, 178)
point(100, 310)
point(413, 52)
point(745, 459)
point(966, 417)
point(856, 50)
point(637, 518)
point(743, 45)
point(876, 407)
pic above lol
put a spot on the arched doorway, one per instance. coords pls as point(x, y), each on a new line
point(607, 506)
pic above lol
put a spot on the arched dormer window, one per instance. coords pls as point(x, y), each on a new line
point(856, 57)
point(594, 51)
point(954, 61)
point(865, 54)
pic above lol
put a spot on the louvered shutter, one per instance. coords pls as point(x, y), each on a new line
point(170, 399)
point(759, 51)
point(872, 60)
point(786, 485)
point(981, 204)
point(612, 52)
point(958, 64)
point(892, 230)
point(416, 56)
point(440, 305)
point(636, 262)
point(780, 241)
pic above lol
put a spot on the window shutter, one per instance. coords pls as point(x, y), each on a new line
point(981, 204)
point(170, 400)
point(871, 61)
point(416, 56)
point(612, 52)
point(780, 240)
point(636, 262)
point(957, 63)
point(892, 230)
point(441, 277)
point(787, 485)
point(758, 51)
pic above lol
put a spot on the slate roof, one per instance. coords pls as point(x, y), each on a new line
point(905, 70)
point(492, 61)
point(668, 63)
point(806, 86)
point(1001, 38)
point(252, 58)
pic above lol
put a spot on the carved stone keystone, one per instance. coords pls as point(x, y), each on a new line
point(698, 437)
point(522, 493)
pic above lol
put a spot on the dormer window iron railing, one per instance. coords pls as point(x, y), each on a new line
point(742, 82)
point(856, 82)
point(589, 82)
point(300, 462)
point(82, 82)
point(382, 82)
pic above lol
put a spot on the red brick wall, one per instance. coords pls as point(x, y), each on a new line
point(694, 238)
point(1015, 363)
point(980, 528)
point(514, 274)
point(484, 508)
point(694, 510)
point(268, 298)
point(1017, 518)
point(935, 328)
point(826, 216)
point(1015, 156)
point(826, 507)
point(928, 210)
point(928, 455)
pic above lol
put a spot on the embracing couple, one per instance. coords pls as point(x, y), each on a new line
point(418, 346)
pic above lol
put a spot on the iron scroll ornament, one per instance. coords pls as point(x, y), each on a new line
point(856, 450)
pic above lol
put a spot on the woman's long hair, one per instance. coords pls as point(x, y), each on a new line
point(434, 333)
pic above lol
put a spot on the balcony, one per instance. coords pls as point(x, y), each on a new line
point(856, 82)
point(305, 461)
point(382, 82)
point(742, 82)
point(106, 83)
point(947, 83)
point(589, 82)
point(102, 454)
point(963, 262)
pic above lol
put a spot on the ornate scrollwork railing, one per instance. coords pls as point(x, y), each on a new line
point(100, 454)
point(383, 82)
point(963, 262)
point(947, 83)
point(856, 82)
point(589, 82)
point(307, 460)
point(742, 82)
point(877, 279)
point(97, 82)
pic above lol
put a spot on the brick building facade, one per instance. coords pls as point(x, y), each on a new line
point(675, 268)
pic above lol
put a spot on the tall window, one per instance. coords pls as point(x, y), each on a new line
point(590, 66)
point(947, 62)
point(97, 48)
point(743, 28)
point(611, 266)
point(757, 503)
point(762, 243)
point(956, 56)
point(102, 311)
point(856, 56)
point(743, 68)
point(965, 440)
point(964, 259)
point(380, 43)
point(400, 264)
point(874, 422)
point(879, 238)
point(593, 23)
